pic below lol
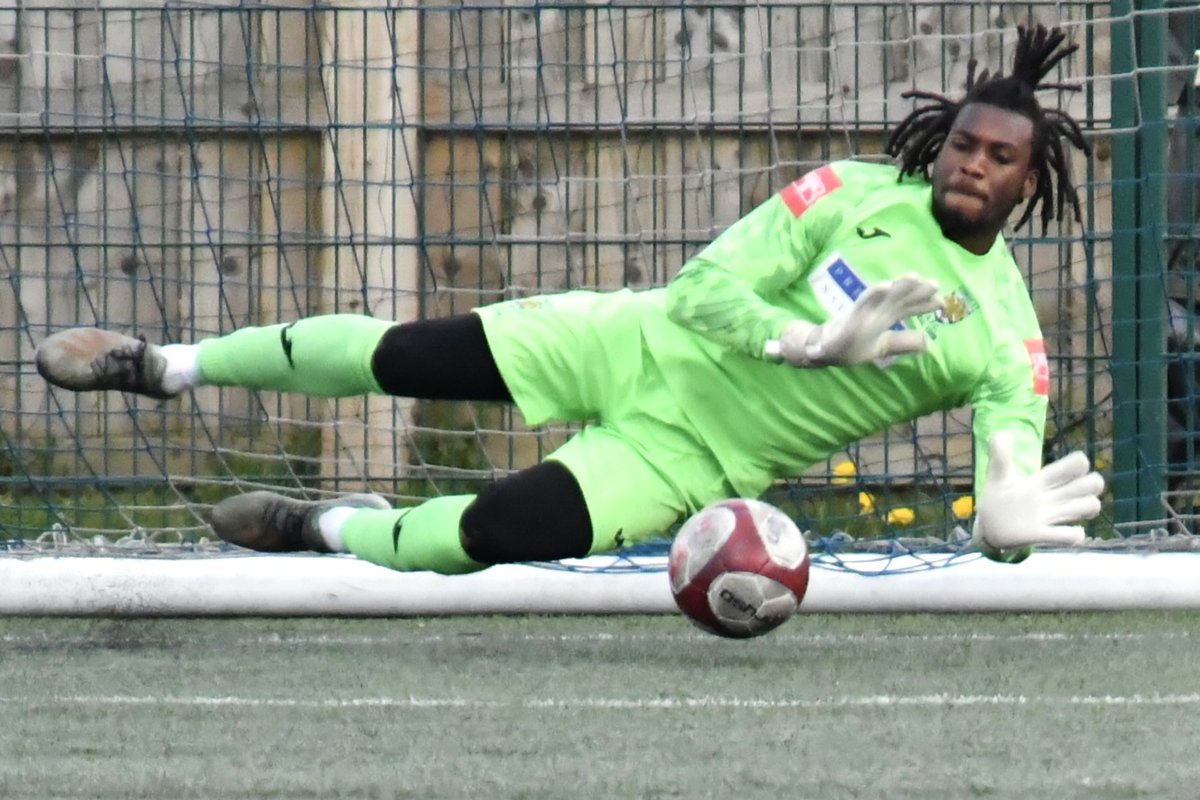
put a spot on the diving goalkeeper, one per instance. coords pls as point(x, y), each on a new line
point(858, 297)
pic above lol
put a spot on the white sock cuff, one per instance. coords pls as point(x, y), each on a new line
point(183, 366)
point(330, 525)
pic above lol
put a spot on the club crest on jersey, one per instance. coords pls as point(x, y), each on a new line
point(958, 306)
point(1040, 365)
point(837, 286)
point(799, 195)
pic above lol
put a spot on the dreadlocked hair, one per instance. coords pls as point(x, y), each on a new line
point(919, 137)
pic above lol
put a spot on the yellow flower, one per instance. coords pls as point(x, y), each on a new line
point(843, 472)
point(866, 503)
point(963, 507)
point(901, 516)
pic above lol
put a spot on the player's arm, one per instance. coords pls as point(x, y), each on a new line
point(725, 292)
point(1020, 502)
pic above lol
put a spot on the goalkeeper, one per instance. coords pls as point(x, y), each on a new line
point(858, 297)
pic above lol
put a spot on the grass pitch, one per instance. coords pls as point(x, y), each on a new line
point(879, 706)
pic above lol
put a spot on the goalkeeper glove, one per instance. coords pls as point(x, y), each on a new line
point(1017, 511)
point(866, 332)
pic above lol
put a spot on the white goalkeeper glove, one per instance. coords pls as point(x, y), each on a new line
point(1016, 511)
point(863, 333)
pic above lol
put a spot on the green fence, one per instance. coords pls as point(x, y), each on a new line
point(1155, 210)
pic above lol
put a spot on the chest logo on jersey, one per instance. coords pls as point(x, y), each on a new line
point(958, 306)
point(800, 194)
point(1040, 364)
point(837, 286)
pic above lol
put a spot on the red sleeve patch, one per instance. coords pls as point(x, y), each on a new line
point(1041, 366)
point(799, 195)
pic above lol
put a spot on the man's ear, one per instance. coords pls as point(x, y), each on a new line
point(1030, 185)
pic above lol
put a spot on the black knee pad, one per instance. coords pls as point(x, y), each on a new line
point(446, 358)
point(537, 514)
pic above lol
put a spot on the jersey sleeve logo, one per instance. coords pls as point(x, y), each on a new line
point(1041, 366)
point(799, 195)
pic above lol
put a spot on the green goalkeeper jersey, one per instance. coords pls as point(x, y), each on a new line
point(807, 253)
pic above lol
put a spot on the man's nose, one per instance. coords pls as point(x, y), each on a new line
point(974, 163)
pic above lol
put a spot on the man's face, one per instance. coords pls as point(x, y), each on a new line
point(983, 170)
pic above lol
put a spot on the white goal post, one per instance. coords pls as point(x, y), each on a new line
point(301, 585)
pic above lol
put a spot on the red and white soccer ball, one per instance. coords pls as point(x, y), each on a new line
point(739, 568)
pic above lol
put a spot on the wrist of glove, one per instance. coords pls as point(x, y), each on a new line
point(870, 330)
point(1016, 512)
point(800, 345)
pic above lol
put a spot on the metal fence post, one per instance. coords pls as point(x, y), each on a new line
point(1139, 147)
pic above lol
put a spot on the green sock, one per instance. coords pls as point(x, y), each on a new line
point(324, 356)
point(423, 537)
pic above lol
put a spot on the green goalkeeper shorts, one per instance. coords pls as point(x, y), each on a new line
point(580, 356)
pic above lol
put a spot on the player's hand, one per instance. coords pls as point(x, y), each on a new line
point(1016, 511)
point(867, 331)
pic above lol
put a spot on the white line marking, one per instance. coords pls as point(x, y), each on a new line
point(617, 703)
point(152, 639)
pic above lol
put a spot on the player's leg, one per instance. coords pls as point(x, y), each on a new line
point(598, 492)
point(611, 484)
point(535, 514)
point(640, 479)
point(335, 355)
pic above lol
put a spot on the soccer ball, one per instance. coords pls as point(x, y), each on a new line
point(738, 568)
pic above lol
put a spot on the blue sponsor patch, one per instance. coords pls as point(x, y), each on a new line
point(835, 272)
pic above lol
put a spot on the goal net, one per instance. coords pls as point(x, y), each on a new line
point(183, 170)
